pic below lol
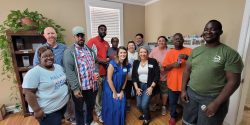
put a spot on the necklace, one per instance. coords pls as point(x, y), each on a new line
point(144, 63)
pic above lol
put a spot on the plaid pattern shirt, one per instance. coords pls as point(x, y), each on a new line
point(86, 66)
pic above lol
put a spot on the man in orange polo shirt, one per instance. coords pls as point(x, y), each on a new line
point(175, 63)
point(100, 47)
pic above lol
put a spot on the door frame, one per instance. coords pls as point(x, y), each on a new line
point(238, 99)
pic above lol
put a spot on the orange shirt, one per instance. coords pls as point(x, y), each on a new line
point(174, 76)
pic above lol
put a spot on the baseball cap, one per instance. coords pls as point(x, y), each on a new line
point(77, 29)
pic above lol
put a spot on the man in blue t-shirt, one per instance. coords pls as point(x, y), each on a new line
point(58, 48)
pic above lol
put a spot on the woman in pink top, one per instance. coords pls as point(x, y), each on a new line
point(159, 54)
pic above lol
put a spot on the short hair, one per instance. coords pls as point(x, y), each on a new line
point(131, 41)
point(113, 38)
point(139, 34)
point(178, 34)
point(43, 49)
point(163, 38)
point(218, 23)
point(102, 25)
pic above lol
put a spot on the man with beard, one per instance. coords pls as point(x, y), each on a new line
point(58, 48)
point(79, 64)
point(212, 74)
point(100, 47)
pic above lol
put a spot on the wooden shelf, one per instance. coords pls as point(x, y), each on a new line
point(25, 52)
point(27, 38)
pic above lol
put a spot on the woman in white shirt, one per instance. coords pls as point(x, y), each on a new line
point(132, 56)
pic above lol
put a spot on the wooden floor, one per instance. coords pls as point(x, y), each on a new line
point(132, 119)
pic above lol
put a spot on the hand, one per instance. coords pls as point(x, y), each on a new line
point(97, 76)
point(138, 91)
point(115, 95)
point(39, 114)
point(149, 91)
point(184, 96)
point(183, 56)
point(121, 95)
point(176, 65)
point(107, 60)
point(77, 94)
point(211, 109)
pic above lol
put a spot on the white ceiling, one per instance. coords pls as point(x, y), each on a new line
point(135, 2)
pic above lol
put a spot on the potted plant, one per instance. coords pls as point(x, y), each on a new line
point(23, 20)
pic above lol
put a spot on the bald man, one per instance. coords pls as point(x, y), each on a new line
point(58, 48)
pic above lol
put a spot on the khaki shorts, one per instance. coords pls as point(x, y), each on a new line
point(163, 87)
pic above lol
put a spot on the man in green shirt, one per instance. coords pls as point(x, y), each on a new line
point(212, 74)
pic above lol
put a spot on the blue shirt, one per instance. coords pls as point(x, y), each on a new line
point(57, 51)
point(52, 90)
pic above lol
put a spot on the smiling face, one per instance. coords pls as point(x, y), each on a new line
point(131, 47)
point(138, 39)
point(212, 32)
point(50, 35)
point(47, 58)
point(122, 54)
point(161, 42)
point(178, 41)
point(143, 54)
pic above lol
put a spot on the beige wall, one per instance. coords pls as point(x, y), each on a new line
point(134, 21)
point(161, 18)
point(189, 17)
point(67, 14)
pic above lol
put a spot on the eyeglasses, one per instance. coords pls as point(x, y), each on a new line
point(80, 35)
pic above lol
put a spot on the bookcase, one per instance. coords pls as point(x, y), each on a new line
point(23, 45)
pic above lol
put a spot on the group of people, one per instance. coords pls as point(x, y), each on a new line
point(101, 78)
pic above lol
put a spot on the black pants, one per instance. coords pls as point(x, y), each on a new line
point(89, 99)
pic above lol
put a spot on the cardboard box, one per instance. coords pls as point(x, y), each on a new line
point(2, 112)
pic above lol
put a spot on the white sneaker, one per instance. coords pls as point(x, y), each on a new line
point(100, 119)
point(94, 123)
point(163, 110)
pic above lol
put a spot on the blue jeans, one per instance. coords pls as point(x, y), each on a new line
point(143, 101)
point(173, 97)
point(193, 114)
point(53, 118)
point(89, 99)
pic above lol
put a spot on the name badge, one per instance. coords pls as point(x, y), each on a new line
point(125, 70)
point(150, 66)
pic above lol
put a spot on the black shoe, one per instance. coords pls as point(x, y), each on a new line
point(145, 122)
point(141, 117)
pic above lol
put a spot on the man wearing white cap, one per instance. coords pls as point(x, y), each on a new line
point(79, 64)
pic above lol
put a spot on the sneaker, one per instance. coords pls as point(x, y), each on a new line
point(94, 123)
point(172, 121)
point(145, 122)
point(100, 119)
point(141, 117)
point(163, 110)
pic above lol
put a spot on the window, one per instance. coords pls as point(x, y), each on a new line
point(107, 13)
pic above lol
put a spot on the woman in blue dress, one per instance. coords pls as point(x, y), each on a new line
point(114, 100)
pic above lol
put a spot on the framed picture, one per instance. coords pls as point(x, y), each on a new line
point(2, 112)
